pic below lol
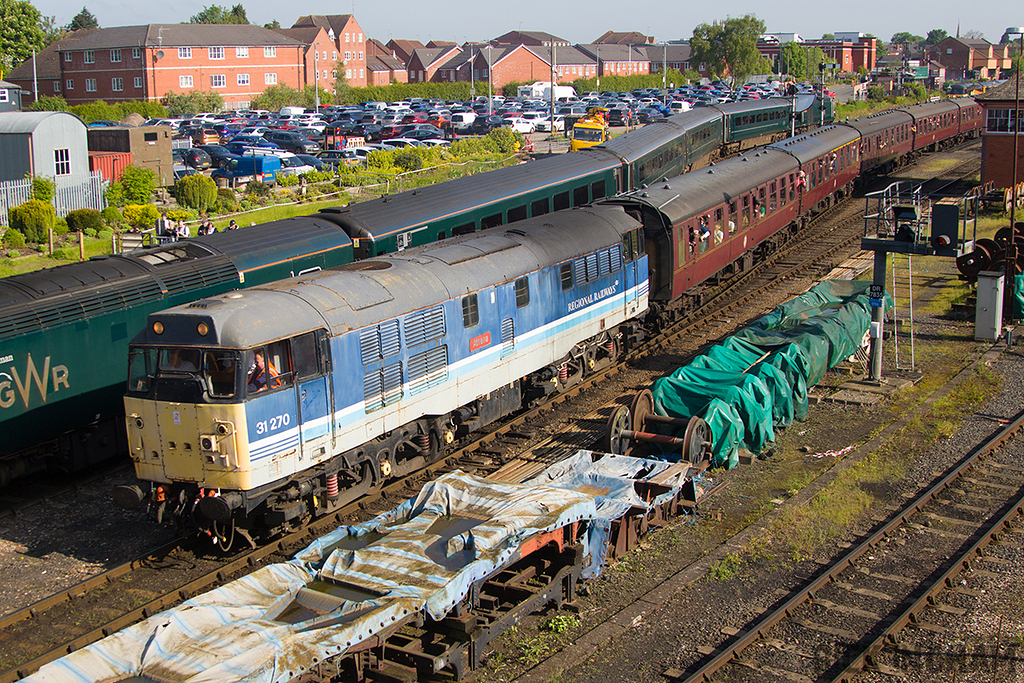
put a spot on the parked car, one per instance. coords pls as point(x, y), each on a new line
point(316, 163)
point(338, 157)
point(291, 164)
point(219, 155)
point(423, 134)
point(371, 132)
point(545, 125)
point(239, 146)
point(292, 141)
point(485, 124)
point(196, 158)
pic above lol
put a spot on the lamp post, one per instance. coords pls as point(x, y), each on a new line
point(490, 100)
point(1011, 245)
point(316, 79)
point(599, 68)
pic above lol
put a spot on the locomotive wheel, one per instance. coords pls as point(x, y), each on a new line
point(643, 405)
point(614, 441)
point(1002, 237)
point(697, 448)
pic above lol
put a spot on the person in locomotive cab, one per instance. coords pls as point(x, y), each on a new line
point(260, 371)
point(178, 362)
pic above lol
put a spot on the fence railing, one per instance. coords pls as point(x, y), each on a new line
point(83, 191)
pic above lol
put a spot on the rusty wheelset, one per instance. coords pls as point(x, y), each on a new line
point(631, 431)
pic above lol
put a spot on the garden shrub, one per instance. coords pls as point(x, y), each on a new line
point(60, 226)
point(105, 234)
point(81, 219)
point(408, 160)
point(138, 184)
point(257, 188)
point(33, 219)
point(66, 253)
point(112, 216)
point(141, 215)
point(90, 232)
point(182, 215)
point(114, 195)
point(288, 180)
point(13, 239)
point(197, 192)
point(13, 253)
point(226, 200)
point(43, 188)
point(506, 139)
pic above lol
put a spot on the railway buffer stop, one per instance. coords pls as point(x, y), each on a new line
point(903, 221)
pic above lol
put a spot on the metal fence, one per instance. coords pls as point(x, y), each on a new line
point(83, 191)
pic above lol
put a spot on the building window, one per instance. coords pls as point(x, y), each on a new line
point(90, 57)
point(270, 52)
point(138, 81)
point(348, 55)
point(67, 56)
point(270, 79)
point(325, 55)
point(360, 37)
point(346, 37)
point(136, 53)
point(216, 53)
point(242, 79)
point(3, 95)
point(184, 53)
point(360, 55)
point(62, 161)
point(90, 85)
point(348, 73)
point(69, 84)
point(218, 81)
point(185, 81)
point(56, 86)
point(360, 73)
point(115, 55)
point(117, 84)
point(242, 52)
point(334, 55)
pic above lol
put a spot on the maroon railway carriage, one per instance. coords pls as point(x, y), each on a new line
point(886, 140)
point(718, 220)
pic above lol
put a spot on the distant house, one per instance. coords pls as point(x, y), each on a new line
point(403, 49)
point(46, 75)
point(427, 61)
point(617, 59)
point(531, 38)
point(42, 143)
point(966, 58)
point(625, 38)
point(320, 55)
point(10, 97)
point(349, 42)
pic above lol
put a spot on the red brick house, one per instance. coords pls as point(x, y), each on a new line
point(425, 63)
point(625, 38)
point(967, 58)
point(320, 55)
point(403, 49)
point(997, 135)
point(47, 71)
point(618, 60)
point(349, 42)
point(238, 61)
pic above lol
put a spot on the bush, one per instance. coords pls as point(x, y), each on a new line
point(43, 188)
point(114, 194)
point(66, 254)
point(13, 239)
point(90, 232)
point(408, 160)
point(33, 219)
point(60, 226)
point(13, 253)
point(257, 188)
point(197, 192)
point(876, 92)
point(83, 219)
point(226, 200)
point(141, 215)
point(112, 216)
point(105, 234)
point(288, 180)
point(182, 215)
point(506, 140)
point(317, 176)
point(138, 184)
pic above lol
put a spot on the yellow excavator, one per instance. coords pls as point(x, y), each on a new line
point(591, 130)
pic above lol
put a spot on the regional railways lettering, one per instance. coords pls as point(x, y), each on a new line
point(577, 304)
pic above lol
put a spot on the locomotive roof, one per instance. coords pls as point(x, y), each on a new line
point(820, 141)
point(368, 292)
point(399, 212)
point(691, 193)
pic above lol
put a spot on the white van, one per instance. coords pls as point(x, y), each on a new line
point(463, 120)
point(678, 107)
point(292, 111)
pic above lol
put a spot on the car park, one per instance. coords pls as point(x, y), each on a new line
point(291, 164)
point(484, 124)
point(292, 141)
point(219, 155)
point(196, 158)
point(337, 157)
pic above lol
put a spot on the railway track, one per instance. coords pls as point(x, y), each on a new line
point(846, 619)
point(134, 590)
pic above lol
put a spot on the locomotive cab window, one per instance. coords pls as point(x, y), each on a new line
point(187, 375)
point(522, 292)
point(268, 368)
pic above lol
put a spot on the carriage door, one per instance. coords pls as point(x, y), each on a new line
point(309, 359)
point(630, 254)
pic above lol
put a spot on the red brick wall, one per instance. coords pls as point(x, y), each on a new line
point(103, 70)
point(352, 40)
point(997, 159)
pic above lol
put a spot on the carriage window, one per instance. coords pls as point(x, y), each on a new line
point(773, 194)
point(539, 207)
point(562, 201)
point(759, 202)
point(522, 292)
point(782, 191)
point(304, 356)
point(719, 234)
point(491, 221)
point(597, 190)
point(470, 312)
point(745, 218)
point(464, 229)
point(565, 272)
point(732, 217)
point(580, 196)
point(517, 213)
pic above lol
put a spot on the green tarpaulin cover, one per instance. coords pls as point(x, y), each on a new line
point(759, 377)
point(1018, 298)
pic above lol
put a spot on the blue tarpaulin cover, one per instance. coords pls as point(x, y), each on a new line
point(355, 583)
point(759, 377)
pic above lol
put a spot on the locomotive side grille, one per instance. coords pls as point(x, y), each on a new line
point(389, 342)
point(80, 306)
point(428, 369)
point(508, 337)
point(188, 278)
point(422, 326)
point(392, 376)
point(369, 345)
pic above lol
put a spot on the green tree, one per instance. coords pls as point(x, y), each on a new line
point(905, 38)
point(277, 96)
point(21, 30)
point(52, 32)
point(275, 24)
point(309, 96)
point(935, 36)
point(83, 19)
point(729, 46)
point(196, 192)
point(193, 102)
point(793, 60)
point(828, 36)
point(49, 103)
point(138, 183)
point(216, 14)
